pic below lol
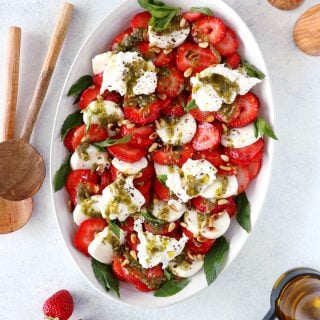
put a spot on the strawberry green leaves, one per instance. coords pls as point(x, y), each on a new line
point(243, 211)
point(262, 128)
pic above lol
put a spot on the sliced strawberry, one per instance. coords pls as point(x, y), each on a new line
point(88, 95)
point(68, 138)
point(228, 112)
point(208, 136)
point(143, 187)
point(211, 29)
point(243, 156)
point(243, 178)
point(162, 192)
point(176, 107)
point(127, 152)
point(159, 229)
point(229, 44)
point(193, 16)
point(141, 20)
point(114, 172)
point(220, 207)
point(202, 204)
point(83, 190)
point(112, 96)
point(117, 268)
point(146, 174)
point(147, 197)
point(119, 38)
point(80, 176)
point(249, 108)
point(190, 55)
point(201, 116)
point(105, 179)
point(143, 115)
point(254, 169)
point(140, 135)
point(97, 79)
point(231, 208)
point(133, 240)
point(86, 233)
point(258, 157)
point(94, 134)
point(233, 61)
point(196, 247)
point(170, 82)
point(176, 155)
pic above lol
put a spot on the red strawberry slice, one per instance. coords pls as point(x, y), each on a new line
point(216, 208)
point(228, 112)
point(243, 156)
point(243, 178)
point(88, 95)
point(176, 155)
point(229, 44)
point(94, 134)
point(140, 135)
point(59, 306)
point(193, 16)
point(233, 61)
point(161, 229)
point(106, 179)
point(112, 96)
point(119, 38)
point(190, 55)
point(127, 152)
point(176, 107)
point(170, 82)
point(80, 176)
point(202, 204)
point(162, 192)
point(68, 138)
point(254, 169)
point(84, 188)
point(97, 79)
point(208, 136)
point(196, 247)
point(86, 232)
point(249, 105)
point(141, 20)
point(117, 268)
point(231, 208)
point(258, 157)
point(144, 186)
point(210, 29)
point(201, 116)
point(147, 173)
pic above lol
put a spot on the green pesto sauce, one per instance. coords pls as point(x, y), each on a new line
point(228, 111)
point(129, 42)
point(170, 126)
point(103, 117)
point(164, 213)
point(87, 207)
point(120, 195)
point(222, 190)
point(112, 239)
point(222, 85)
point(193, 185)
point(83, 193)
point(174, 25)
point(82, 151)
point(142, 100)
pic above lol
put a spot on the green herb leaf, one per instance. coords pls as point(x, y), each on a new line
point(171, 287)
point(191, 105)
point(162, 178)
point(203, 10)
point(251, 70)
point(161, 14)
point(151, 218)
point(111, 142)
point(214, 259)
point(261, 128)
point(168, 274)
point(80, 85)
point(73, 120)
point(114, 228)
point(61, 175)
point(243, 211)
point(104, 274)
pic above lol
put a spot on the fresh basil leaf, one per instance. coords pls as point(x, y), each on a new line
point(191, 105)
point(262, 128)
point(60, 178)
point(251, 70)
point(214, 259)
point(80, 85)
point(73, 120)
point(203, 10)
point(104, 274)
point(111, 142)
point(171, 287)
point(114, 228)
point(162, 178)
point(168, 274)
point(151, 218)
point(243, 211)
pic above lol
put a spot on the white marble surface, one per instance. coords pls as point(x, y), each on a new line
point(34, 260)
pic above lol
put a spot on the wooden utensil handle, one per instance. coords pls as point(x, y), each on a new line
point(11, 83)
point(55, 45)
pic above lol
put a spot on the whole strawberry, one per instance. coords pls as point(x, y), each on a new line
point(59, 306)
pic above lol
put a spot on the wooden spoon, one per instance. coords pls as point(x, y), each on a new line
point(22, 169)
point(286, 4)
point(306, 33)
point(13, 214)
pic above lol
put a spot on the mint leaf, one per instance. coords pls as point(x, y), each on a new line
point(73, 120)
point(111, 142)
point(80, 85)
point(191, 105)
point(61, 175)
point(251, 70)
point(214, 259)
point(262, 128)
point(203, 10)
point(114, 228)
point(162, 178)
point(104, 274)
point(151, 218)
point(243, 211)
point(171, 287)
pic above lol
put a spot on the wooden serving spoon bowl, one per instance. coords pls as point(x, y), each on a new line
point(286, 4)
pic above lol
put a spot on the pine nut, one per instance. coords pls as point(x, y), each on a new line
point(226, 168)
point(133, 238)
point(146, 36)
point(157, 124)
point(120, 122)
point(225, 158)
point(130, 125)
point(183, 224)
point(173, 207)
point(171, 227)
point(125, 263)
point(190, 256)
point(183, 22)
point(70, 206)
point(162, 96)
point(221, 202)
point(201, 238)
point(209, 118)
point(125, 121)
point(133, 254)
point(188, 73)
point(153, 147)
point(200, 256)
point(203, 224)
point(167, 51)
point(162, 122)
point(99, 97)
point(210, 222)
point(156, 49)
point(153, 136)
point(225, 128)
point(203, 44)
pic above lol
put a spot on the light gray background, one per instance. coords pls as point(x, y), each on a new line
point(34, 261)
